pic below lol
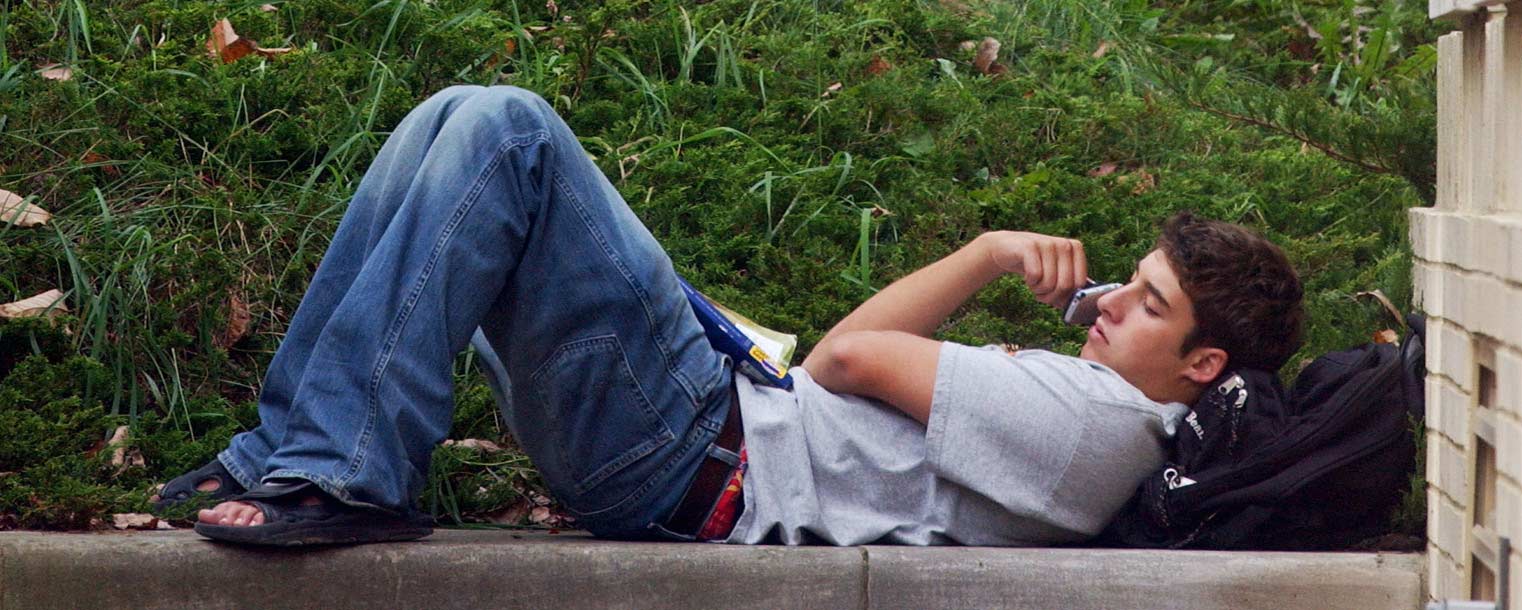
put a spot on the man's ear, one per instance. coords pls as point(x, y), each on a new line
point(1204, 364)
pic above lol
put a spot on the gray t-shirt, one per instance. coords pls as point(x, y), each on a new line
point(1026, 449)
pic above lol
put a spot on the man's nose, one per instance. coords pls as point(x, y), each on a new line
point(1109, 304)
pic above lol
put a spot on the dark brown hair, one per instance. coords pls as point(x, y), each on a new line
point(1246, 295)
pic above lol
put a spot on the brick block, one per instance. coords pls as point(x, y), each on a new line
point(1508, 314)
point(1424, 234)
point(1427, 288)
point(1447, 411)
point(1455, 413)
point(1489, 250)
point(1451, 575)
point(1453, 473)
point(1455, 246)
point(1455, 355)
point(1434, 500)
point(1489, 299)
point(1509, 449)
point(1455, 301)
point(1516, 581)
point(1511, 227)
point(1436, 563)
point(1435, 440)
point(1509, 381)
point(1509, 509)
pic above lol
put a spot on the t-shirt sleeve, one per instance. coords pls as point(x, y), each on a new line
point(1005, 427)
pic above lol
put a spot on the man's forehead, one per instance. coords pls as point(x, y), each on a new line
point(1155, 269)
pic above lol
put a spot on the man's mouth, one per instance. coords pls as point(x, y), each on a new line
point(1095, 332)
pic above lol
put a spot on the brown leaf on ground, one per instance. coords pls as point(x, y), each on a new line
point(134, 521)
point(273, 52)
point(831, 89)
point(118, 445)
point(1104, 47)
point(268, 8)
point(1141, 181)
point(237, 323)
point(968, 45)
point(226, 45)
point(14, 210)
point(540, 514)
point(95, 158)
point(878, 66)
point(512, 515)
point(553, 8)
point(988, 56)
point(1386, 336)
point(55, 72)
point(49, 304)
point(1103, 170)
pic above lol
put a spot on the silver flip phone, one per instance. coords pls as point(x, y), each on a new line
point(1083, 309)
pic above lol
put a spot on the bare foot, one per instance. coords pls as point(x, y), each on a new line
point(241, 514)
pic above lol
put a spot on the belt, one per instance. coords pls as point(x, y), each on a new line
point(698, 503)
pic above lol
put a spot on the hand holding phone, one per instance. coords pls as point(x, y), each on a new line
point(1083, 308)
point(1053, 267)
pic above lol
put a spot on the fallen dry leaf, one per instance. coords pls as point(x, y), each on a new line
point(55, 72)
point(540, 514)
point(988, 56)
point(511, 515)
point(1141, 181)
point(1386, 336)
point(878, 66)
point(95, 158)
point(553, 8)
point(237, 323)
point(134, 521)
point(1104, 47)
point(14, 210)
point(49, 303)
point(474, 443)
point(118, 444)
point(226, 45)
point(968, 45)
point(1103, 170)
point(268, 8)
point(831, 89)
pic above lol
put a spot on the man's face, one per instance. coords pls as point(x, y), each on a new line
point(1141, 328)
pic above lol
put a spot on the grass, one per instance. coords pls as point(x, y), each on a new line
point(189, 193)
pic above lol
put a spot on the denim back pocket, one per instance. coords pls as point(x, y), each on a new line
point(601, 419)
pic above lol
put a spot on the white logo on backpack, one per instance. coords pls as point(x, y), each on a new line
point(1176, 480)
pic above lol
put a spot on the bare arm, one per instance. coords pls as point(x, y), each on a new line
point(882, 349)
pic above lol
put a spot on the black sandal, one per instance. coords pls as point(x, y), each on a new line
point(183, 488)
point(287, 522)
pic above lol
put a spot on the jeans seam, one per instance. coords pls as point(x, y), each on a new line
point(639, 292)
point(384, 358)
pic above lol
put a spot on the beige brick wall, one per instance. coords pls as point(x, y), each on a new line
point(1468, 279)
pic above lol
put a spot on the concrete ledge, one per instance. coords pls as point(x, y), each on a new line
point(498, 569)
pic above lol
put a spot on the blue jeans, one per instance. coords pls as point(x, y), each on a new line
point(483, 221)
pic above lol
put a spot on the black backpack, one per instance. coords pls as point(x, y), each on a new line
point(1318, 468)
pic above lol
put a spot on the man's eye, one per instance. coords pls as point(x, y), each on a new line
point(1150, 310)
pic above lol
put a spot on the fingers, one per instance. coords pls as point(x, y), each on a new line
point(1080, 265)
